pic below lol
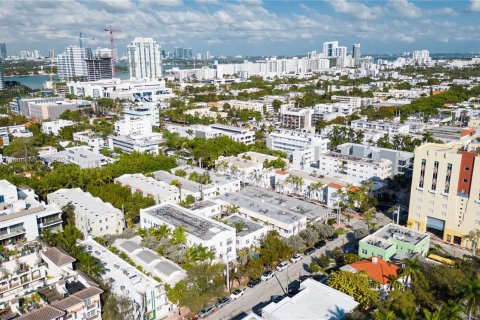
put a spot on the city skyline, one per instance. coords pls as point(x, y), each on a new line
point(247, 27)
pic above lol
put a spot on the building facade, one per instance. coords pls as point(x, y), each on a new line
point(144, 59)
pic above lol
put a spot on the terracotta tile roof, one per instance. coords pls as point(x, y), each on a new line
point(354, 188)
point(378, 271)
point(44, 313)
point(58, 256)
point(88, 293)
point(335, 185)
point(66, 303)
point(281, 172)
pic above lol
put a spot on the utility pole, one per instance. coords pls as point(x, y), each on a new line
point(228, 273)
point(338, 213)
point(398, 214)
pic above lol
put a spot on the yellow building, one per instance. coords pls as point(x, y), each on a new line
point(445, 194)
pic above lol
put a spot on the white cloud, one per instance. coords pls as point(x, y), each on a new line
point(206, 1)
point(355, 9)
point(444, 11)
point(406, 9)
point(475, 5)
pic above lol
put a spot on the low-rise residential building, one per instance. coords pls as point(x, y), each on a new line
point(363, 168)
point(214, 131)
point(289, 141)
point(149, 187)
point(279, 212)
point(147, 297)
point(315, 301)
point(138, 143)
point(222, 183)
point(90, 138)
point(296, 118)
point(131, 126)
point(249, 233)
point(47, 108)
point(23, 217)
point(391, 128)
point(206, 208)
point(141, 110)
point(207, 232)
point(394, 242)
point(187, 187)
point(53, 127)
point(238, 134)
point(402, 161)
point(93, 217)
point(168, 271)
point(39, 282)
point(81, 156)
point(355, 102)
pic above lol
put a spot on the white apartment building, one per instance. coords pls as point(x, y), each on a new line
point(144, 59)
point(332, 163)
point(188, 187)
point(391, 128)
point(207, 232)
point(23, 217)
point(168, 271)
point(445, 194)
point(53, 127)
point(90, 138)
point(244, 170)
point(248, 233)
point(71, 63)
point(93, 217)
point(290, 141)
point(149, 187)
point(421, 57)
point(147, 296)
point(251, 105)
point(138, 143)
point(235, 133)
point(80, 156)
point(141, 110)
point(129, 126)
point(222, 183)
point(277, 212)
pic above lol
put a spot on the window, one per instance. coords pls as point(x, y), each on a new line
point(435, 175)
point(422, 173)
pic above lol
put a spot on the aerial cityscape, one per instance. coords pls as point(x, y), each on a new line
point(243, 159)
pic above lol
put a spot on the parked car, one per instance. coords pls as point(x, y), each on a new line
point(333, 237)
point(205, 311)
point(293, 292)
point(222, 302)
point(320, 244)
point(253, 282)
point(267, 275)
point(282, 266)
point(237, 294)
point(309, 251)
point(296, 257)
point(276, 298)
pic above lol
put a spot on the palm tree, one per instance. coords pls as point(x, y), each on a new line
point(412, 271)
point(315, 188)
point(429, 315)
point(90, 265)
point(179, 235)
point(427, 136)
point(451, 310)
point(384, 315)
point(161, 232)
point(393, 283)
point(473, 236)
point(232, 208)
point(471, 297)
point(177, 184)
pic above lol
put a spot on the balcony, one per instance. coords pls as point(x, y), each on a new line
point(50, 222)
point(12, 233)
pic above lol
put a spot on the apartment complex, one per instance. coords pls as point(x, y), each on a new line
point(23, 217)
point(391, 128)
point(207, 232)
point(298, 118)
point(81, 156)
point(394, 242)
point(144, 59)
point(445, 194)
point(402, 161)
point(290, 140)
point(93, 217)
point(99, 65)
point(149, 187)
point(38, 282)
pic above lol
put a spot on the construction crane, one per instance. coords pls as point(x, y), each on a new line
point(80, 38)
point(112, 30)
point(52, 62)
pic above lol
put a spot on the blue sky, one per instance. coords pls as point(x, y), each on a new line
point(247, 27)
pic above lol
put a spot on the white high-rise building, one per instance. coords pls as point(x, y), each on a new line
point(144, 59)
point(329, 49)
point(421, 57)
point(71, 63)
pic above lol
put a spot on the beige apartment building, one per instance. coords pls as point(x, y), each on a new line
point(445, 194)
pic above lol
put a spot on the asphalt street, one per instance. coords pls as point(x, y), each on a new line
point(260, 295)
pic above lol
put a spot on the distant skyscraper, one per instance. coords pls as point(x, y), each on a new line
point(144, 59)
point(2, 85)
point(329, 49)
point(99, 65)
point(356, 54)
point(71, 63)
point(3, 50)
